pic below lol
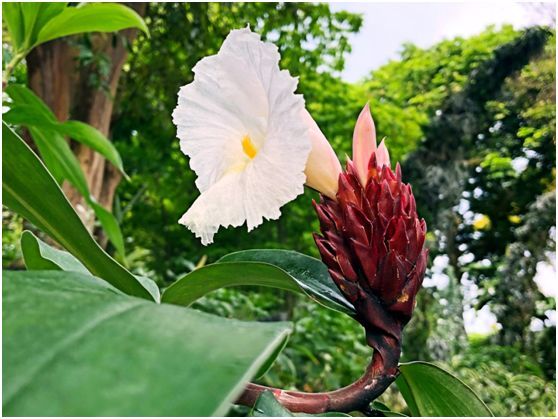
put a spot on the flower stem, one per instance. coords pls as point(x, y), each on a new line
point(354, 397)
point(10, 67)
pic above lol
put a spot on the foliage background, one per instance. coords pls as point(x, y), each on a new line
point(483, 175)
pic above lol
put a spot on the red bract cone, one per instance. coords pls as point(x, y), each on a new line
point(372, 241)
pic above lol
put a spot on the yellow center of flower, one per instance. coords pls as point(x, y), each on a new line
point(248, 147)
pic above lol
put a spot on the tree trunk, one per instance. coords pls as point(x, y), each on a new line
point(54, 76)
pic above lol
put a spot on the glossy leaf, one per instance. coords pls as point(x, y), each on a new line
point(309, 273)
point(209, 278)
point(431, 391)
point(202, 281)
point(26, 184)
point(92, 17)
point(87, 350)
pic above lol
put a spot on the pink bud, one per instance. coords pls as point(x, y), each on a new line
point(382, 155)
point(322, 167)
point(364, 143)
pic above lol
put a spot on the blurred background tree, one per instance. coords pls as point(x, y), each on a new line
point(471, 119)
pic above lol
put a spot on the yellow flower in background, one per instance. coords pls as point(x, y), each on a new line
point(245, 132)
point(482, 222)
point(514, 219)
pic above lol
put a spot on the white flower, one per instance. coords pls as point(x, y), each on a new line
point(241, 124)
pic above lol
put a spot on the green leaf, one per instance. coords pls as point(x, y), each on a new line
point(202, 281)
point(24, 20)
point(23, 96)
point(28, 115)
point(110, 226)
point(268, 406)
point(310, 279)
point(72, 346)
point(63, 164)
point(211, 277)
point(309, 273)
point(267, 365)
point(29, 110)
point(386, 411)
point(431, 391)
point(12, 16)
point(40, 256)
point(92, 17)
point(59, 159)
point(150, 286)
point(93, 138)
point(281, 269)
point(30, 12)
point(29, 189)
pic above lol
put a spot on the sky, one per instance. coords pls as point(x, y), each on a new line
point(388, 25)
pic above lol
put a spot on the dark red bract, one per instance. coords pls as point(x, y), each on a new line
point(372, 241)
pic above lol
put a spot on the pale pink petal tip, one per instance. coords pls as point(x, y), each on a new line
point(382, 155)
point(364, 142)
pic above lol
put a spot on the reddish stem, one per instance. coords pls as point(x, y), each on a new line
point(354, 397)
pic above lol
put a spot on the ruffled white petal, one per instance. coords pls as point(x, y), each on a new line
point(241, 92)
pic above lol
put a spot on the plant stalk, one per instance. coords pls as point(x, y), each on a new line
point(354, 397)
point(10, 67)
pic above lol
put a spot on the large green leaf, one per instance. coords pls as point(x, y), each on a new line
point(431, 391)
point(309, 273)
point(74, 346)
point(92, 17)
point(30, 190)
